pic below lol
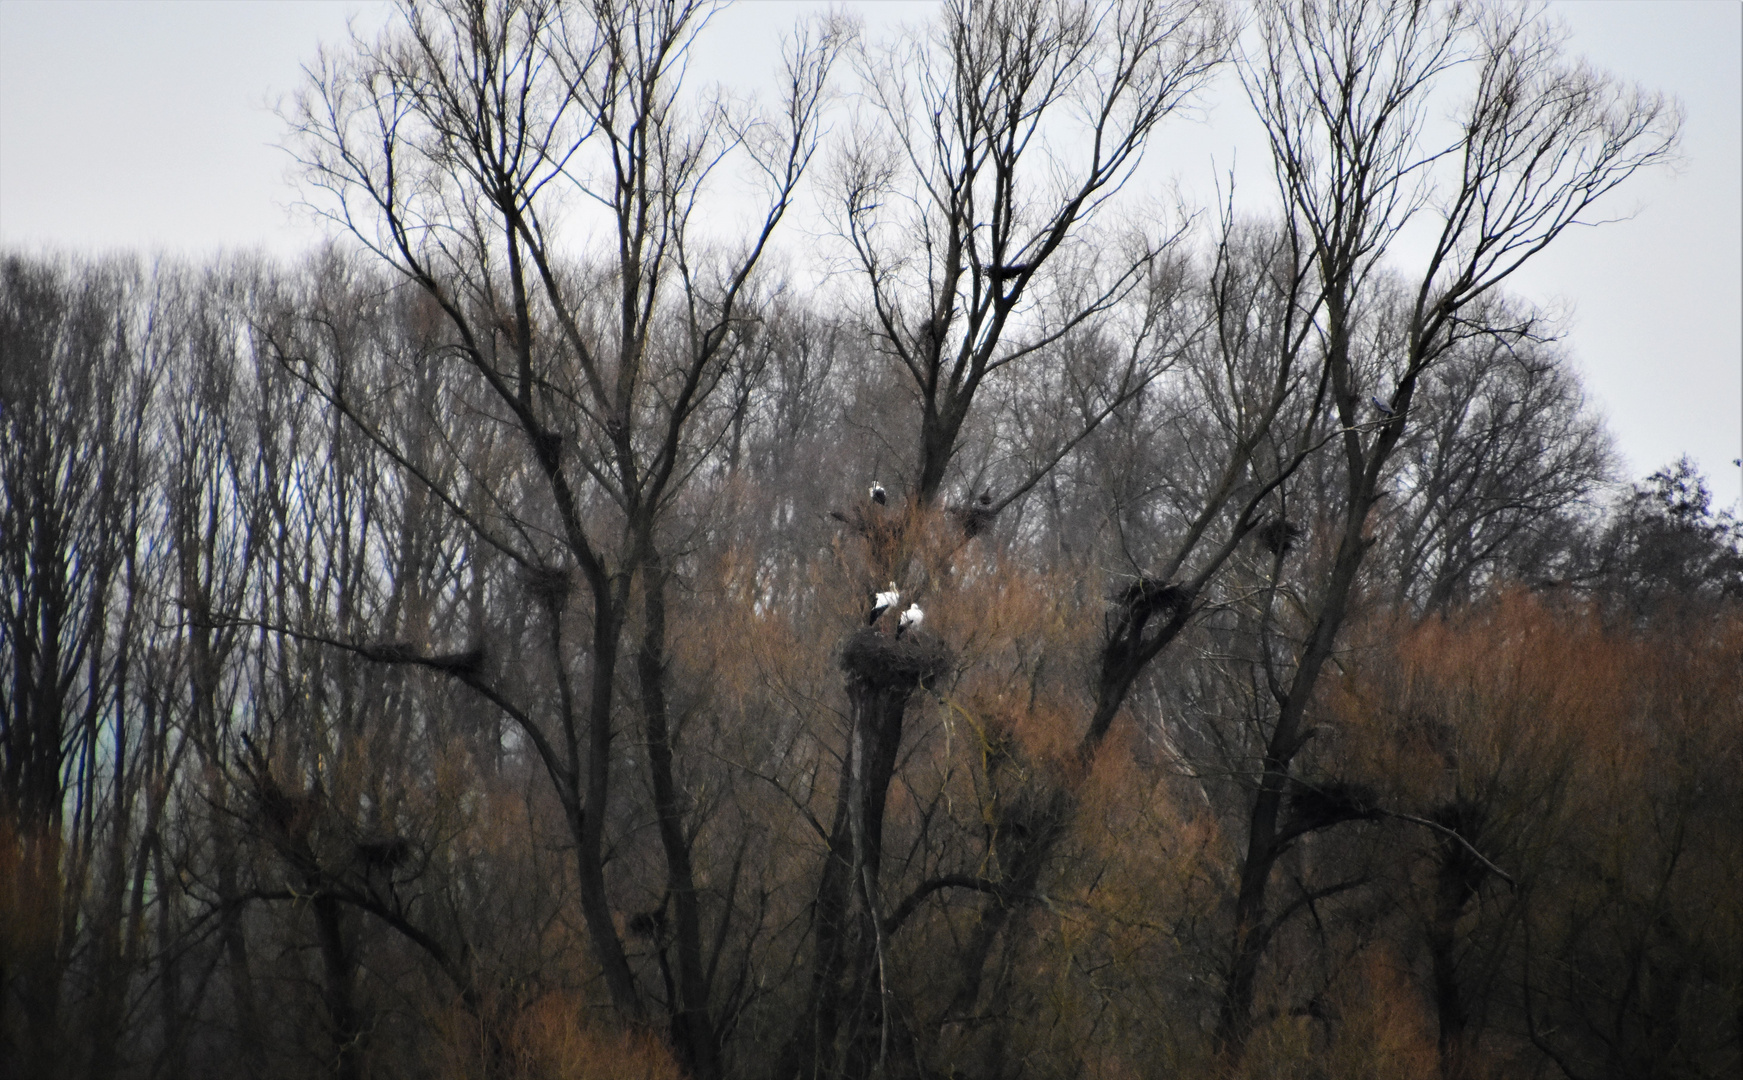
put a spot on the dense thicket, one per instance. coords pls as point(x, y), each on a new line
point(453, 654)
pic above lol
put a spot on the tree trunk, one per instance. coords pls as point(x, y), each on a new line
point(1252, 930)
point(337, 966)
point(693, 1030)
point(587, 807)
point(846, 1030)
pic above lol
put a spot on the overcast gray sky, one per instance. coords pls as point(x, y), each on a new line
point(146, 126)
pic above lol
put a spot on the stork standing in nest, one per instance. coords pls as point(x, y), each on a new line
point(910, 620)
point(882, 602)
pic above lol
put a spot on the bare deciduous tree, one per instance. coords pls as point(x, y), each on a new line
point(1347, 92)
point(980, 166)
point(452, 148)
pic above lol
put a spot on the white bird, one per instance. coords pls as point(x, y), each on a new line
point(877, 493)
point(882, 602)
point(1385, 409)
point(910, 620)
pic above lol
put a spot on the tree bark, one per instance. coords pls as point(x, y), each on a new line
point(846, 1030)
point(693, 1028)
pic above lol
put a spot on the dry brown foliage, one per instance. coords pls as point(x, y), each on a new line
point(555, 1036)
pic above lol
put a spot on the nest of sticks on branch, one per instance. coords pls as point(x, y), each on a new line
point(914, 659)
point(549, 585)
point(1317, 804)
point(384, 852)
point(974, 520)
point(1278, 535)
point(1148, 597)
point(465, 663)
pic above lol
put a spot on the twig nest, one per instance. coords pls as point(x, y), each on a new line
point(1278, 535)
point(467, 662)
point(974, 520)
point(384, 852)
point(1317, 803)
point(914, 659)
point(1150, 596)
point(464, 663)
point(549, 585)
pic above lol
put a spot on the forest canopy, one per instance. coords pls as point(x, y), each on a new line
point(842, 586)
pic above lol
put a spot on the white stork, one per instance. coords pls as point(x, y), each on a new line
point(878, 495)
point(910, 620)
point(882, 602)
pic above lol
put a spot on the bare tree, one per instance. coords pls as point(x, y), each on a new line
point(1345, 91)
point(984, 156)
point(1236, 421)
point(451, 148)
point(1502, 454)
point(417, 659)
point(75, 482)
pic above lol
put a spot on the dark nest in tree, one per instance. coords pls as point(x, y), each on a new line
point(1148, 597)
point(468, 662)
point(549, 585)
point(974, 520)
point(649, 924)
point(1322, 803)
point(286, 816)
point(465, 663)
point(882, 526)
point(912, 660)
point(1278, 535)
point(1134, 607)
point(384, 852)
point(548, 446)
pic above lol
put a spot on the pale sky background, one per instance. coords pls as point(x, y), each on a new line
point(147, 126)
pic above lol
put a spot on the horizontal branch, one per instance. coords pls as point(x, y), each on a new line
point(948, 881)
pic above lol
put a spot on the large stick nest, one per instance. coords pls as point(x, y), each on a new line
point(1318, 804)
point(1278, 535)
point(973, 519)
point(1149, 596)
point(914, 659)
